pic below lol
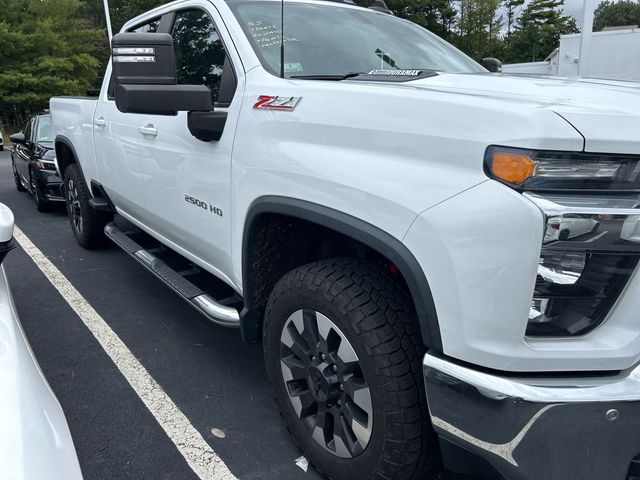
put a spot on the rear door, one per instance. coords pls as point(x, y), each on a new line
point(187, 181)
point(116, 141)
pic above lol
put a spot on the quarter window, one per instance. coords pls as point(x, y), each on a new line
point(201, 58)
point(151, 27)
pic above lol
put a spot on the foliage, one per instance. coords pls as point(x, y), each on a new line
point(479, 28)
point(616, 14)
point(538, 29)
point(46, 49)
point(511, 8)
point(54, 47)
point(437, 16)
point(121, 11)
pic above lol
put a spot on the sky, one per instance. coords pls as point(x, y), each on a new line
point(574, 8)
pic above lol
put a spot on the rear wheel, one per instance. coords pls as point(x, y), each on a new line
point(16, 178)
point(86, 223)
point(343, 350)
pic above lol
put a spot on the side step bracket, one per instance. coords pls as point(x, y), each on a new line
point(216, 312)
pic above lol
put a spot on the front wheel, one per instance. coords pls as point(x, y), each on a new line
point(86, 223)
point(343, 355)
point(41, 204)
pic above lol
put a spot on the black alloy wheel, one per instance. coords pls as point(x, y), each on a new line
point(343, 354)
point(74, 207)
point(325, 383)
point(87, 224)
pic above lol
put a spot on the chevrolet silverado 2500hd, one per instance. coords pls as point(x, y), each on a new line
point(384, 214)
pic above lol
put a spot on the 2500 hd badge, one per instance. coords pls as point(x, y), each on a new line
point(204, 205)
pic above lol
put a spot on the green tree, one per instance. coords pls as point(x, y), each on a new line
point(616, 14)
point(46, 49)
point(511, 8)
point(121, 11)
point(538, 29)
point(479, 30)
point(437, 16)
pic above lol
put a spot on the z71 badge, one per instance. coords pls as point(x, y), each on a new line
point(268, 102)
point(203, 205)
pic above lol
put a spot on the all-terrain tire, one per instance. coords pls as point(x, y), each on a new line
point(87, 224)
point(376, 315)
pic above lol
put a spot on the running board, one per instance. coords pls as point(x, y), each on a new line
point(216, 312)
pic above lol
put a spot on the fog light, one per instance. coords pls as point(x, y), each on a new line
point(575, 291)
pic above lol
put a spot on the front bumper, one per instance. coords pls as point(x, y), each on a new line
point(553, 429)
point(50, 185)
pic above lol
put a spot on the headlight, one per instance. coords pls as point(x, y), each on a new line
point(45, 165)
point(591, 243)
point(536, 170)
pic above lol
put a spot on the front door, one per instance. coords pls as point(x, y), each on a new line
point(22, 154)
point(116, 140)
point(187, 181)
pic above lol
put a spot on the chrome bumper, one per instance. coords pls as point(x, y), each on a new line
point(552, 429)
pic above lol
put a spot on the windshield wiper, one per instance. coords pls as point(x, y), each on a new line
point(328, 77)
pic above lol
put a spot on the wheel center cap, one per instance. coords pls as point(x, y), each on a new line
point(319, 384)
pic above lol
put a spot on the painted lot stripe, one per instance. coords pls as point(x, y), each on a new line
point(195, 450)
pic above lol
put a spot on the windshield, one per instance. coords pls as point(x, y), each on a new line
point(43, 134)
point(332, 40)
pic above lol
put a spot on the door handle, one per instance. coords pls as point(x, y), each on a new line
point(149, 130)
point(100, 122)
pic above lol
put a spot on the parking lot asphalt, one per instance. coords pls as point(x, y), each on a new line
point(216, 380)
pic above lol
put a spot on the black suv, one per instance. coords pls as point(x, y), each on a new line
point(33, 161)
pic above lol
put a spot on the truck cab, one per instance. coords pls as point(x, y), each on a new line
point(379, 211)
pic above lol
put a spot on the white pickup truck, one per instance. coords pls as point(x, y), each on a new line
point(383, 213)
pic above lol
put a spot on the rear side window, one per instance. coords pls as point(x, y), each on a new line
point(201, 58)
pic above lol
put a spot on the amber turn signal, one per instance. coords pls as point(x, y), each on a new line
point(511, 167)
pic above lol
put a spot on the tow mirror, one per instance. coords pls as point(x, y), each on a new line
point(144, 71)
point(6, 230)
point(492, 64)
point(18, 139)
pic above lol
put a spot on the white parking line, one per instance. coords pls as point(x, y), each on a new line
point(597, 237)
point(195, 450)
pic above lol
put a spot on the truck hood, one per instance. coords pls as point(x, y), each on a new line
point(605, 113)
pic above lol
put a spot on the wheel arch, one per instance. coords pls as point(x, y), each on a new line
point(65, 155)
point(348, 226)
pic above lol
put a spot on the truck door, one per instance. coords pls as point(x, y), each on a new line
point(187, 181)
point(116, 140)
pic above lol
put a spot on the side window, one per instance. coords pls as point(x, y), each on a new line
point(201, 58)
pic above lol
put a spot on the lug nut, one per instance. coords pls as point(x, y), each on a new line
point(339, 402)
point(335, 368)
point(342, 387)
point(322, 356)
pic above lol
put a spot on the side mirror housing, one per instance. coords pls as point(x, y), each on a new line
point(492, 64)
point(144, 71)
point(18, 139)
